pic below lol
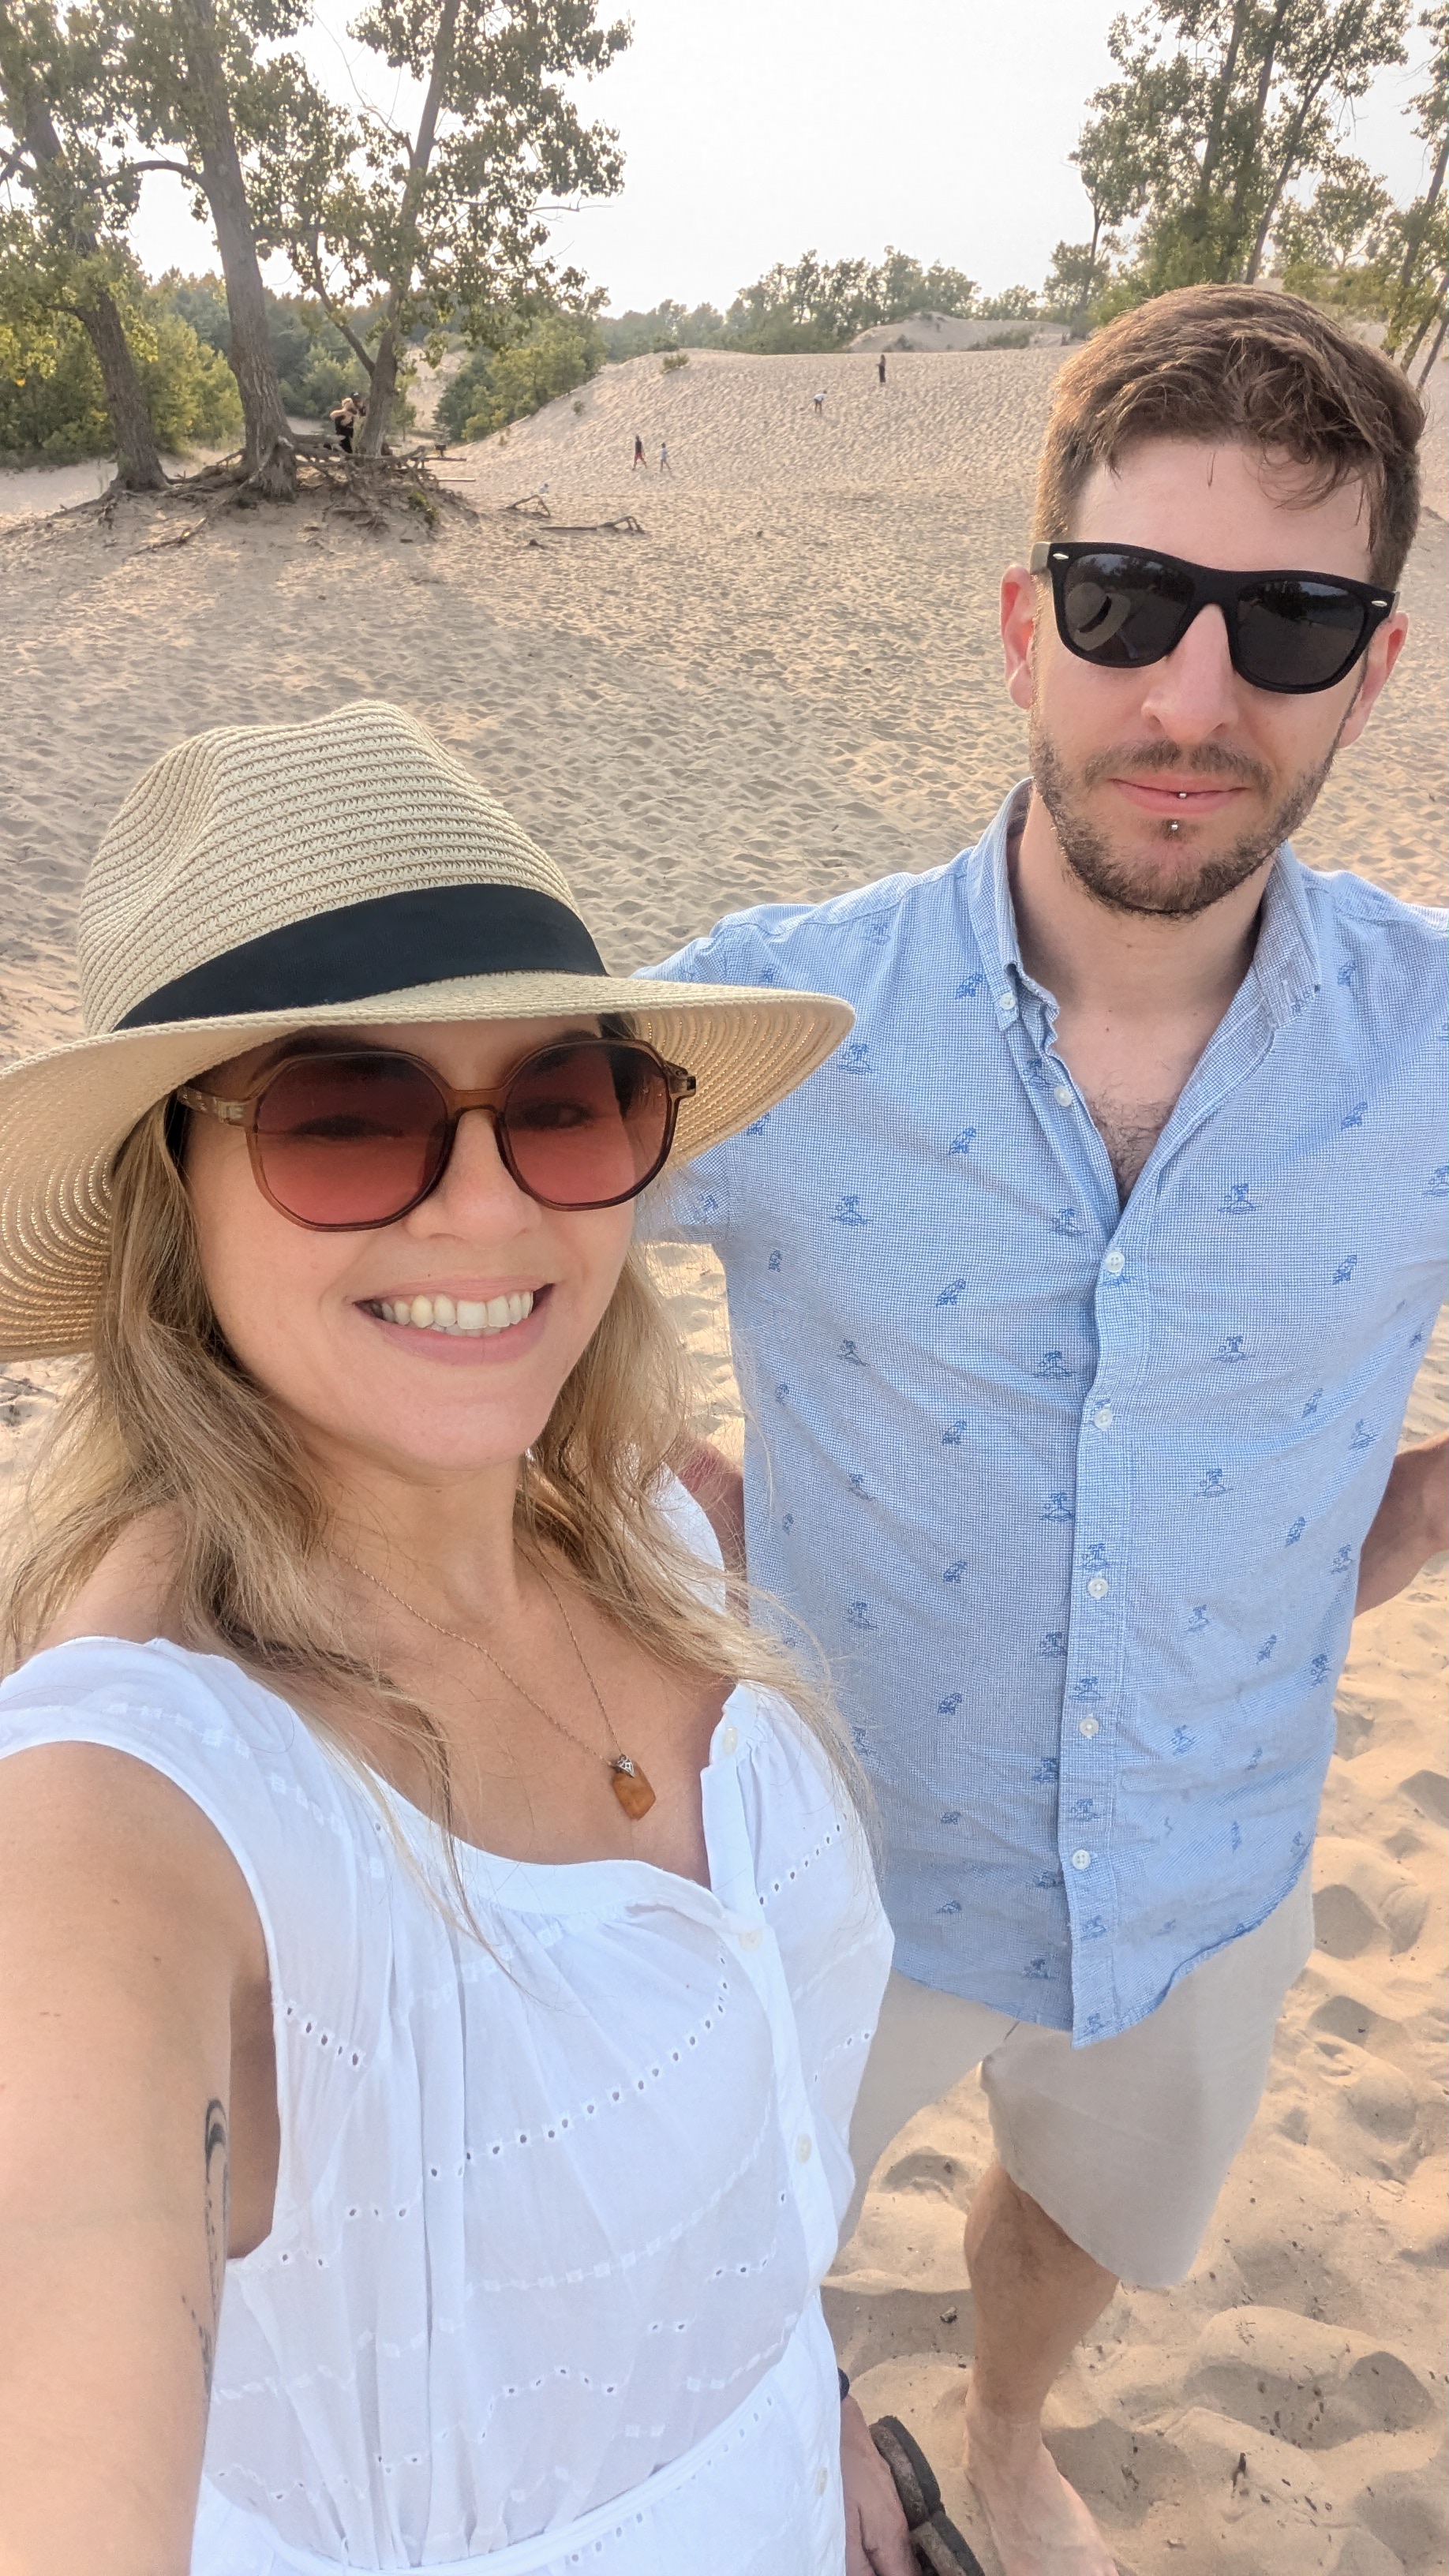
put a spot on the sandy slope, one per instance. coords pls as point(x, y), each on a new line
point(788, 685)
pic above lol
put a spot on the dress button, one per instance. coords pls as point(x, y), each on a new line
point(729, 1741)
point(1062, 1096)
point(1103, 1417)
point(1099, 1587)
point(751, 1940)
point(1115, 1263)
point(1089, 1726)
point(804, 2149)
point(1005, 1002)
point(1081, 1860)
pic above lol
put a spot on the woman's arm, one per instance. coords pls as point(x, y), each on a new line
point(127, 1935)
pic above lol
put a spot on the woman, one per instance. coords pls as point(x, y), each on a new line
point(439, 1960)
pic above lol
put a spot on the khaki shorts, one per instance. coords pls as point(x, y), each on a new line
point(1126, 2143)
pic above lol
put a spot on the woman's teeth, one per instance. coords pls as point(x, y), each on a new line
point(466, 1315)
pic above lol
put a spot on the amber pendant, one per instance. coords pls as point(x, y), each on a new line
point(631, 1788)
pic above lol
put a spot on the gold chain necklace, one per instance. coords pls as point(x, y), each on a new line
point(629, 1782)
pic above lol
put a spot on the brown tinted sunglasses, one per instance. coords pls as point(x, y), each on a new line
point(357, 1138)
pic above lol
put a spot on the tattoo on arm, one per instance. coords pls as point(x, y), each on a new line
point(217, 2204)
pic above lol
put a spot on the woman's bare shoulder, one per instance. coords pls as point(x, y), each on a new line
point(131, 1593)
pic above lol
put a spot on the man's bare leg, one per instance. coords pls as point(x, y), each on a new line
point(1036, 2294)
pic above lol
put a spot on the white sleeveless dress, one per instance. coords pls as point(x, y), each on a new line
point(542, 2285)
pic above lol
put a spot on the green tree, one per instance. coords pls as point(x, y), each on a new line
point(187, 79)
point(1417, 307)
point(52, 393)
point(664, 326)
point(820, 305)
point(1221, 108)
point(62, 235)
point(558, 352)
point(1336, 246)
point(442, 222)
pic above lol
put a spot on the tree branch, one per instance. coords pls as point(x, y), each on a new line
point(178, 170)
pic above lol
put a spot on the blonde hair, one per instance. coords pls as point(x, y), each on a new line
point(162, 1417)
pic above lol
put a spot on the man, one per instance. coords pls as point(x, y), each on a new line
point(1077, 1302)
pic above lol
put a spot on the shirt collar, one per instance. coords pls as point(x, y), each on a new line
point(1286, 964)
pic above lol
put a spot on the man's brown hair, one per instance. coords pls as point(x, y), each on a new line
point(1240, 364)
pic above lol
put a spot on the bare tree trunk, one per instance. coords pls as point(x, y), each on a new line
point(1418, 233)
point(1248, 151)
point(1427, 369)
point(138, 464)
point(382, 392)
point(270, 458)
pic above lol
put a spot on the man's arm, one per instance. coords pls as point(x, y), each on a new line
point(1410, 1526)
point(719, 1489)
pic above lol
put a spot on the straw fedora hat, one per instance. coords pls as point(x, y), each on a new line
point(263, 878)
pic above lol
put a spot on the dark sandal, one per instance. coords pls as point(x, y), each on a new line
point(941, 2550)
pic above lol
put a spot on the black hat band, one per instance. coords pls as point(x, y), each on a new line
point(422, 935)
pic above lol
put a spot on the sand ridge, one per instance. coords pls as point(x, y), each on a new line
point(788, 685)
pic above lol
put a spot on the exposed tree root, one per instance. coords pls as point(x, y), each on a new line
point(369, 492)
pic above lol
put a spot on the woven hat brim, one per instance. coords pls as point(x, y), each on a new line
point(63, 1114)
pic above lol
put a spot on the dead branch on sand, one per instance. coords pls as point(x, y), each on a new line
point(532, 506)
point(628, 526)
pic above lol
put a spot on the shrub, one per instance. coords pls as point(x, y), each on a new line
point(673, 359)
point(51, 399)
point(559, 351)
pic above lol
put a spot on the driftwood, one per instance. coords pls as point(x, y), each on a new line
point(532, 506)
point(628, 526)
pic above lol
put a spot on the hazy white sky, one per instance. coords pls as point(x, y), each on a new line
point(759, 129)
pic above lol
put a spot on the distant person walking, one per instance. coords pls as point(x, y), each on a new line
point(664, 465)
point(639, 456)
point(820, 404)
point(880, 368)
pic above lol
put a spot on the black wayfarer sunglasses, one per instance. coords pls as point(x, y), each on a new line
point(1125, 606)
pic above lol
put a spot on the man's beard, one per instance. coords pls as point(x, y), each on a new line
point(1137, 886)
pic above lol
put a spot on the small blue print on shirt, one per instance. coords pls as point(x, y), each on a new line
point(1199, 1619)
point(963, 1143)
point(1439, 1186)
point(1238, 1200)
point(954, 1572)
point(1346, 1268)
point(1057, 1508)
point(847, 1212)
point(1232, 1348)
point(1066, 1221)
point(1266, 1648)
point(948, 1706)
point(1296, 1532)
point(858, 1616)
point(848, 1351)
point(1051, 1364)
point(969, 987)
point(953, 1438)
point(1214, 1483)
point(1356, 1115)
point(776, 1261)
point(855, 1057)
point(948, 1296)
point(1363, 1437)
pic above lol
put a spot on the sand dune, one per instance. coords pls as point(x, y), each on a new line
point(788, 685)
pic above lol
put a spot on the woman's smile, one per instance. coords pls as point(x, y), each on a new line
point(462, 1329)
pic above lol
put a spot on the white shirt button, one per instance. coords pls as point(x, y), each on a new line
point(822, 2480)
point(1103, 1417)
point(1088, 1726)
point(804, 2149)
point(1081, 1860)
point(1062, 1096)
point(1005, 1002)
point(751, 1940)
point(1115, 1263)
point(1099, 1587)
point(729, 1741)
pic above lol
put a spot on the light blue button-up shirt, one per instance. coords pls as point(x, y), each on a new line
point(1073, 1494)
